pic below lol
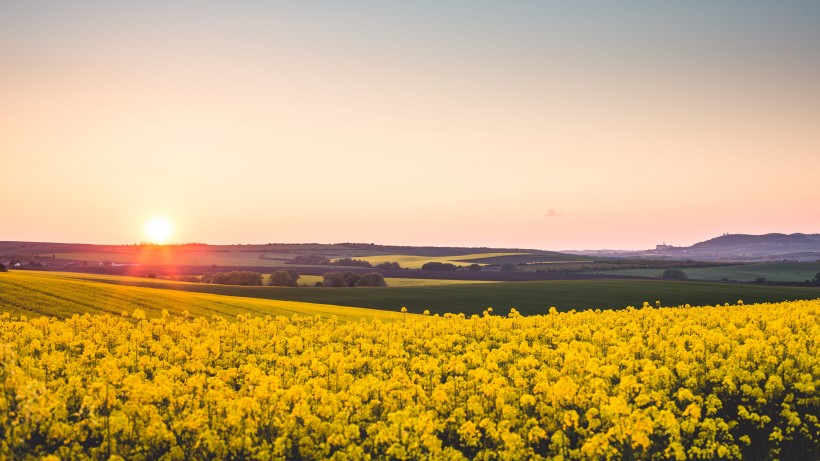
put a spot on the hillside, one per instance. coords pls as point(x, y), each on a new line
point(730, 247)
point(760, 242)
point(62, 296)
point(56, 255)
point(743, 247)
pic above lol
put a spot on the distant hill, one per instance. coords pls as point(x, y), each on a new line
point(729, 248)
point(56, 255)
point(766, 241)
point(744, 247)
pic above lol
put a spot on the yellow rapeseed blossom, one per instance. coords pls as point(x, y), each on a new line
point(723, 382)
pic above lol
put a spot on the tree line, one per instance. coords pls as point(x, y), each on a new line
point(319, 260)
point(286, 278)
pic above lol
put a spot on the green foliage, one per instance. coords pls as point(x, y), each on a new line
point(391, 265)
point(282, 278)
point(351, 278)
point(188, 278)
point(333, 280)
point(242, 278)
point(372, 279)
point(438, 266)
point(309, 260)
point(674, 274)
point(508, 267)
point(350, 262)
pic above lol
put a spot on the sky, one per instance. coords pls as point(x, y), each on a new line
point(527, 124)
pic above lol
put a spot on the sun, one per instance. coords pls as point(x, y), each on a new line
point(159, 230)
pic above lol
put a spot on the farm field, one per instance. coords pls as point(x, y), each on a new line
point(775, 272)
point(469, 298)
point(56, 295)
point(733, 382)
point(398, 281)
point(239, 258)
point(415, 262)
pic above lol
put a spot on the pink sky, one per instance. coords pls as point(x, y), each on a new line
point(529, 126)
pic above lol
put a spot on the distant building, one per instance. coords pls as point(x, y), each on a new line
point(664, 247)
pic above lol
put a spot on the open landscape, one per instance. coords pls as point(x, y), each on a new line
point(159, 359)
point(401, 231)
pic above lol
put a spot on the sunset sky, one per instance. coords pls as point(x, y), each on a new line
point(532, 124)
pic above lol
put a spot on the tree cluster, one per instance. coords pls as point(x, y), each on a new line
point(437, 266)
point(244, 278)
point(674, 274)
point(388, 265)
point(187, 278)
point(284, 278)
point(508, 267)
point(350, 262)
point(350, 279)
point(309, 260)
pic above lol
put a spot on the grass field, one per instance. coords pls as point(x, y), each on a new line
point(775, 272)
point(527, 297)
point(62, 295)
point(310, 280)
point(238, 258)
point(415, 262)
point(162, 256)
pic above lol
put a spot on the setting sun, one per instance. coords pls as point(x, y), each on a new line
point(159, 230)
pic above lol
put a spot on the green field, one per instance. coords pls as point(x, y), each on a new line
point(62, 295)
point(527, 297)
point(310, 280)
point(774, 272)
point(237, 258)
point(415, 262)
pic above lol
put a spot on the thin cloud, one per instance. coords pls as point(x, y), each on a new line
point(552, 213)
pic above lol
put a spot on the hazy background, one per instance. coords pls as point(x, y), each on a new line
point(550, 125)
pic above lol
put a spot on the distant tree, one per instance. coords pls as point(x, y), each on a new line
point(508, 267)
point(372, 279)
point(817, 277)
point(474, 268)
point(294, 274)
point(2, 268)
point(249, 278)
point(674, 274)
point(333, 279)
point(281, 278)
point(760, 280)
point(388, 265)
point(437, 266)
point(351, 278)
point(151, 275)
point(350, 262)
point(188, 278)
point(308, 260)
point(244, 278)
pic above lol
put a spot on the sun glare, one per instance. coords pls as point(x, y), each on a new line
point(159, 230)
